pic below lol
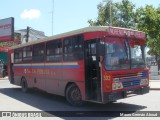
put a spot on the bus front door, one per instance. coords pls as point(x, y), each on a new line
point(92, 72)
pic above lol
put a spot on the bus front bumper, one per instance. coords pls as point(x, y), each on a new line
point(109, 97)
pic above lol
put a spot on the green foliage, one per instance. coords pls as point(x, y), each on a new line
point(121, 13)
point(126, 14)
point(149, 22)
point(103, 14)
point(154, 46)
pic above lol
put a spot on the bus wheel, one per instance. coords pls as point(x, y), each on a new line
point(24, 85)
point(73, 95)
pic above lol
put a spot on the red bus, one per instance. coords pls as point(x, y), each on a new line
point(96, 64)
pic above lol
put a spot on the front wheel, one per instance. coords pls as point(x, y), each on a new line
point(24, 85)
point(73, 95)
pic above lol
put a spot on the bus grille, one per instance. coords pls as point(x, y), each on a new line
point(130, 79)
point(129, 75)
point(131, 83)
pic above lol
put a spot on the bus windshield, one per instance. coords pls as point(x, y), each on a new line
point(119, 55)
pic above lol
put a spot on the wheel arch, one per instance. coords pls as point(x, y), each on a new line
point(24, 85)
point(67, 85)
point(75, 102)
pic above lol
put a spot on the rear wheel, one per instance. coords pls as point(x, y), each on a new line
point(73, 95)
point(24, 85)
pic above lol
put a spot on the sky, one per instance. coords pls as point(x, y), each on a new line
point(67, 14)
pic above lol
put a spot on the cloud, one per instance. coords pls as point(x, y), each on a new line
point(30, 14)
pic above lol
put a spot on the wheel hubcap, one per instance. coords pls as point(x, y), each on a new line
point(75, 95)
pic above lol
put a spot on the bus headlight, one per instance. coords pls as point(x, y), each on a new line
point(116, 86)
point(144, 81)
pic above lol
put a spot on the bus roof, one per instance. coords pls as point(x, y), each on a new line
point(75, 32)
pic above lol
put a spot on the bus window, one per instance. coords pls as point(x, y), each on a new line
point(18, 55)
point(73, 48)
point(116, 54)
point(27, 54)
point(54, 51)
point(38, 52)
point(137, 54)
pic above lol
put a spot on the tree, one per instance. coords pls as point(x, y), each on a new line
point(122, 14)
point(104, 14)
point(149, 22)
point(126, 14)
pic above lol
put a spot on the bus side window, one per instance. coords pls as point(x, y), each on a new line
point(54, 51)
point(27, 54)
point(38, 52)
point(18, 55)
point(73, 48)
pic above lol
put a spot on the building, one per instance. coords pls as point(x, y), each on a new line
point(32, 35)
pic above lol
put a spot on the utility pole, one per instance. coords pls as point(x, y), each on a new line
point(27, 35)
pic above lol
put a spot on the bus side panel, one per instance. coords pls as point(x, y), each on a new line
point(23, 70)
point(27, 74)
point(73, 72)
point(53, 78)
point(38, 76)
point(18, 72)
